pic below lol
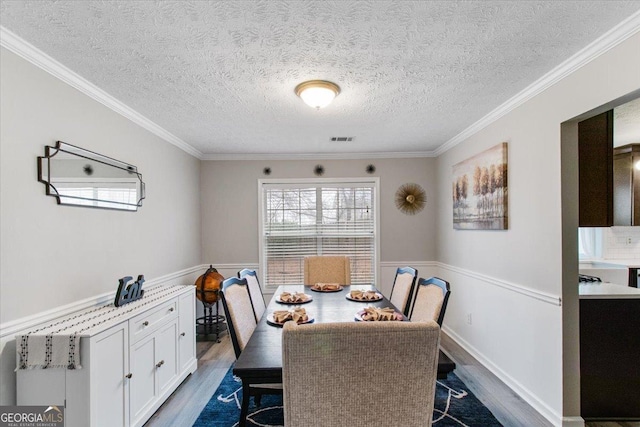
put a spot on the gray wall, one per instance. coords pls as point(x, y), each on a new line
point(508, 279)
point(230, 205)
point(53, 255)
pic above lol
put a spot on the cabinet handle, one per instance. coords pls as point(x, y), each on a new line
point(128, 376)
point(171, 309)
point(160, 363)
point(145, 323)
point(183, 334)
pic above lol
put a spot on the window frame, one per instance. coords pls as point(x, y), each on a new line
point(315, 182)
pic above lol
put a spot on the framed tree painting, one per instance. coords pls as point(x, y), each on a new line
point(480, 196)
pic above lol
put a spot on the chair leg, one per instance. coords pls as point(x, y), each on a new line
point(257, 399)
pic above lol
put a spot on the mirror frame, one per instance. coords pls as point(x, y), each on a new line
point(44, 176)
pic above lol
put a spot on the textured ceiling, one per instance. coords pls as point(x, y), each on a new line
point(220, 75)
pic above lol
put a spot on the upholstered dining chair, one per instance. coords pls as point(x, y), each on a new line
point(241, 322)
point(327, 269)
point(430, 301)
point(402, 288)
point(254, 290)
point(238, 309)
point(387, 369)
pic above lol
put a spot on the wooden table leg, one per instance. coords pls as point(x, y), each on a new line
point(244, 408)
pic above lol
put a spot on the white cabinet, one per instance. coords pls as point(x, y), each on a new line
point(128, 370)
point(154, 362)
point(187, 333)
point(108, 379)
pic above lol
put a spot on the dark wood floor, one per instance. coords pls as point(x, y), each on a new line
point(214, 359)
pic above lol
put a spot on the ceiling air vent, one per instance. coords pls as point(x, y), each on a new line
point(342, 138)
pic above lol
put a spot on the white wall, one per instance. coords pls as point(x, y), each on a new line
point(230, 205)
point(53, 255)
point(512, 281)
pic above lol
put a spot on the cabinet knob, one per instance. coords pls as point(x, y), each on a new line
point(160, 363)
point(128, 376)
point(171, 309)
point(145, 323)
point(183, 334)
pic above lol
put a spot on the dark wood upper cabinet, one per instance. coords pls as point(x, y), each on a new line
point(595, 154)
point(626, 185)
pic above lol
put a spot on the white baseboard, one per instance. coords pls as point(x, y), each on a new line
point(547, 412)
point(572, 422)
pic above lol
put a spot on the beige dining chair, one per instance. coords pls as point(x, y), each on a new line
point(241, 322)
point(327, 269)
point(238, 309)
point(430, 302)
point(387, 369)
point(255, 291)
point(402, 288)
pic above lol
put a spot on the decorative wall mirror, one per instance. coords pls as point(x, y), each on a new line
point(79, 177)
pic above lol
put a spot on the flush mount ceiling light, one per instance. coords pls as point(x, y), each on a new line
point(317, 93)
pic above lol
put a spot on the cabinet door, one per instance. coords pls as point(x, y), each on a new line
point(186, 329)
point(166, 356)
point(595, 160)
point(109, 382)
point(143, 381)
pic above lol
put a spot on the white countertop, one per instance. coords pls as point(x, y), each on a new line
point(607, 291)
point(630, 263)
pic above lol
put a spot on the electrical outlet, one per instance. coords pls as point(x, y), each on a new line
point(469, 319)
point(629, 240)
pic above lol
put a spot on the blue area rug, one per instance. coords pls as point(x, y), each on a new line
point(454, 406)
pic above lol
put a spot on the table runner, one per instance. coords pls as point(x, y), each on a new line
point(57, 345)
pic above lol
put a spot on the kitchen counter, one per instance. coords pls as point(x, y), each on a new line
point(629, 263)
point(607, 291)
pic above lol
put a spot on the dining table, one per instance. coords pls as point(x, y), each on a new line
point(261, 360)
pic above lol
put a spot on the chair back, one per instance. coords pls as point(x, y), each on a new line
point(327, 269)
point(255, 291)
point(402, 288)
point(430, 302)
point(387, 369)
point(238, 309)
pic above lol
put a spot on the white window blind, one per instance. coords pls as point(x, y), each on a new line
point(317, 219)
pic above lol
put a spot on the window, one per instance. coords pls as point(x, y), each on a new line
point(589, 243)
point(320, 217)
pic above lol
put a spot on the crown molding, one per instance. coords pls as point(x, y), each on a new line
point(604, 43)
point(27, 51)
point(317, 156)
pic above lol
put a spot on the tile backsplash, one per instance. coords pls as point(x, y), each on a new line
point(621, 243)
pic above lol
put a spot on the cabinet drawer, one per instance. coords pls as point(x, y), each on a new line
point(144, 324)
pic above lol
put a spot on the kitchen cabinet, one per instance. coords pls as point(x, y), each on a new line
point(130, 366)
point(626, 187)
point(609, 349)
point(595, 161)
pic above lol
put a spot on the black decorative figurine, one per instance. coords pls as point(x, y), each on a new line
point(130, 293)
